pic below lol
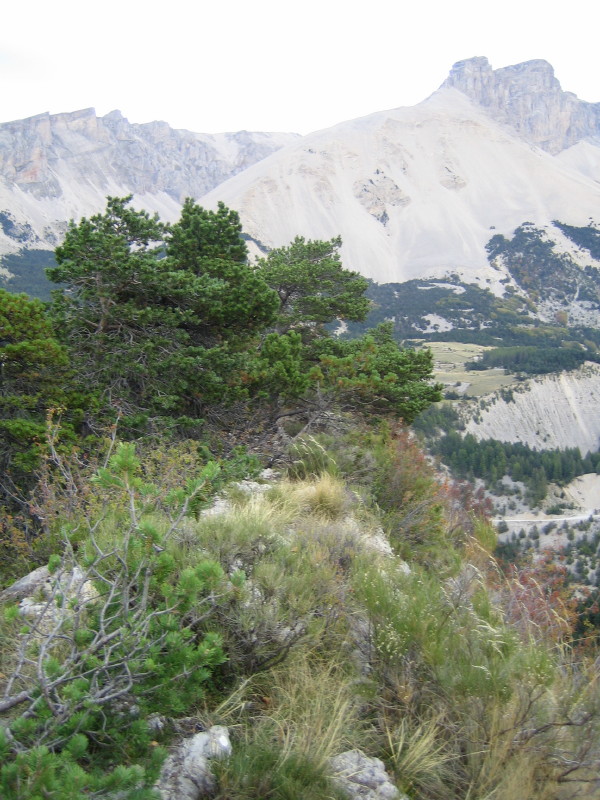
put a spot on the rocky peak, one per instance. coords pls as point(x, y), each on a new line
point(36, 153)
point(529, 98)
point(54, 167)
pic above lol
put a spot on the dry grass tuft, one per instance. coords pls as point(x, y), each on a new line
point(417, 754)
point(325, 497)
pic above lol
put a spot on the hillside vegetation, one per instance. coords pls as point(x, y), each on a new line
point(168, 330)
point(353, 603)
point(347, 601)
point(540, 315)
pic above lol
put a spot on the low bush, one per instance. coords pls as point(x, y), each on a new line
point(109, 647)
point(307, 710)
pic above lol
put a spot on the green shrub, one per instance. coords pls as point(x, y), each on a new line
point(120, 643)
point(40, 773)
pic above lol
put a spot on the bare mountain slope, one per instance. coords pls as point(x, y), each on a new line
point(414, 192)
point(585, 158)
point(553, 411)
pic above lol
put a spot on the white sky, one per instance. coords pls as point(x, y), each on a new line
point(272, 65)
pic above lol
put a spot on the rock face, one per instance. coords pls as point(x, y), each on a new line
point(529, 98)
point(363, 778)
point(554, 411)
point(54, 167)
point(186, 773)
point(36, 153)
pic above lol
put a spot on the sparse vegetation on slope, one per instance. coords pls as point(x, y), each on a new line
point(355, 607)
point(587, 237)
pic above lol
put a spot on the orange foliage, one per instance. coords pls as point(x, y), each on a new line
point(537, 600)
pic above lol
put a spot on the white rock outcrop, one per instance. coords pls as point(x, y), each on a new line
point(47, 599)
point(26, 586)
point(552, 411)
point(529, 98)
point(186, 774)
point(361, 777)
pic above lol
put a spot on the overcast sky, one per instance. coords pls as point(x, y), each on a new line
point(272, 65)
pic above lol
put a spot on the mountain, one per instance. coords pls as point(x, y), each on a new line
point(529, 99)
point(62, 166)
point(418, 192)
point(415, 193)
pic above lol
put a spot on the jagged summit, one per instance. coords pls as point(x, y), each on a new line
point(57, 166)
point(529, 98)
point(479, 71)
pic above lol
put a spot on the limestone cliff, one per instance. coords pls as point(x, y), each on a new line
point(54, 167)
point(530, 99)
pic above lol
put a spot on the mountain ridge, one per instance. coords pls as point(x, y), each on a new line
point(415, 192)
point(54, 167)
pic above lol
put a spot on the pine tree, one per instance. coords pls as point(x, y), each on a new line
point(33, 368)
point(160, 320)
point(313, 287)
point(374, 375)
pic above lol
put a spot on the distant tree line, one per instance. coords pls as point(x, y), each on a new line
point(528, 332)
point(532, 360)
point(490, 460)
